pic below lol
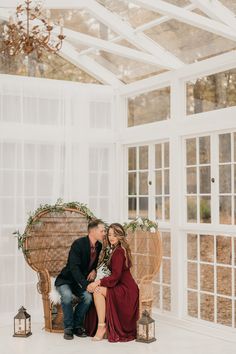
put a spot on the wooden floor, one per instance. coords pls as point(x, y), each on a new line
point(170, 340)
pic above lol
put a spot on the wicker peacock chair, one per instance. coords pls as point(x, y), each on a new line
point(147, 255)
point(46, 243)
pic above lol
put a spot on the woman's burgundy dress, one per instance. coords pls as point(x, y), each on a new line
point(122, 301)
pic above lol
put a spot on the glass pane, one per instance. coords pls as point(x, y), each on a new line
point(166, 182)
point(205, 179)
point(205, 209)
point(158, 182)
point(204, 150)
point(149, 107)
point(211, 92)
point(143, 157)
point(132, 208)
point(207, 278)
point(207, 307)
point(132, 183)
point(166, 271)
point(192, 304)
point(83, 21)
point(166, 155)
point(225, 210)
point(158, 156)
point(166, 244)
point(224, 311)
point(234, 147)
point(235, 254)
point(158, 206)
point(143, 207)
point(224, 280)
point(143, 183)
point(192, 275)
point(129, 12)
point(189, 43)
point(225, 147)
point(207, 248)
point(223, 250)
point(192, 246)
point(167, 208)
point(180, 3)
point(235, 210)
point(157, 277)
point(225, 178)
point(166, 298)
point(156, 293)
point(191, 180)
point(192, 209)
point(132, 158)
point(191, 151)
point(234, 167)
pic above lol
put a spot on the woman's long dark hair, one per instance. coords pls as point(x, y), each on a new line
point(120, 234)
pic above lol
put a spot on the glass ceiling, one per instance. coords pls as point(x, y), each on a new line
point(130, 34)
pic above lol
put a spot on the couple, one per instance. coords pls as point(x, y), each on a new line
point(116, 296)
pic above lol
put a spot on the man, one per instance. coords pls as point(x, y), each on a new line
point(74, 278)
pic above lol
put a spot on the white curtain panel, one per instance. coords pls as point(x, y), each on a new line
point(56, 141)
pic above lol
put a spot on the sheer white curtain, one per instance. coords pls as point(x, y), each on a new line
point(55, 142)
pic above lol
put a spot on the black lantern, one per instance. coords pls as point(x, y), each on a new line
point(22, 324)
point(145, 328)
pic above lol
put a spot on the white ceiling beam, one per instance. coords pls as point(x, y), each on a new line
point(107, 46)
point(216, 10)
point(160, 20)
point(84, 62)
point(199, 69)
point(188, 17)
point(50, 4)
point(89, 65)
point(141, 41)
point(113, 48)
point(143, 27)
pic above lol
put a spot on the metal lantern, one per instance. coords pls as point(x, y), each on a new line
point(22, 324)
point(145, 328)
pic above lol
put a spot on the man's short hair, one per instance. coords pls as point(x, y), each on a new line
point(94, 223)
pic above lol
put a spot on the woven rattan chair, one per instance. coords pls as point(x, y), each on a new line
point(147, 255)
point(46, 247)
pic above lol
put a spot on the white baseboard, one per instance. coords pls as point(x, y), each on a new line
point(194, 325)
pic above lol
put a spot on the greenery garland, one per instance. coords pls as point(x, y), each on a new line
point(58, 207)
point(141, 223)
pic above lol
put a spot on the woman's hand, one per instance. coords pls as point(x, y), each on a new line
point(92, 286)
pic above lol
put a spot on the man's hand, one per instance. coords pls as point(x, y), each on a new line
point(92, 275)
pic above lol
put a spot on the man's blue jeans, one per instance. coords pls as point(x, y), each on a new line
point(73, 318)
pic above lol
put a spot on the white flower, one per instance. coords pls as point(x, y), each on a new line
point(140, 221)
point(152, 229)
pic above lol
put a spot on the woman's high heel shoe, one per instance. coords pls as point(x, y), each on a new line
point(96, 337)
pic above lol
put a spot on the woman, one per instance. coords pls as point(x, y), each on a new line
point(116, 296)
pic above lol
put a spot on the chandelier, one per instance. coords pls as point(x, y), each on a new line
point(31, 31)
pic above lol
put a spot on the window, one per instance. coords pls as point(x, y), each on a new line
point(198, 179)
point(227, 178)
point(162, 282)
point(138, 181)
point(149, 107)
point(211, 179)
point(148, 181)
point(210, 270)
point(211, 92)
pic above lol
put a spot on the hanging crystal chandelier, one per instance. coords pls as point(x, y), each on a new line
point(31, 31)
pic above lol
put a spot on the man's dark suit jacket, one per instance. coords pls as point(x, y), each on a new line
point(77, 267)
